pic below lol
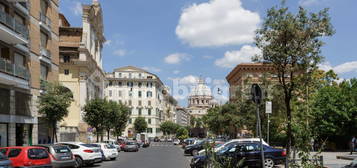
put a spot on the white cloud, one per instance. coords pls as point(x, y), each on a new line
point(108, 43)
point(176, 72)
point(120, 52)
point(152, 69)
point(217, 23)
point(308, 2)
point(232, 58)
point(186, 80)
point(77, 8)
point(346, 67)
point(176, 58)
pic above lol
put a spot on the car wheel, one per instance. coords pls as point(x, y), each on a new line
point(194, 152)
point(79, 162)
point(113, 158)
point(269, 163)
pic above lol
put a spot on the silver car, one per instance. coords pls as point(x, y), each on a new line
point(4, 161)
point(131, 146)
point(61, 155)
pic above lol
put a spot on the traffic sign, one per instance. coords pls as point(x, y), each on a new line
point(268, 107)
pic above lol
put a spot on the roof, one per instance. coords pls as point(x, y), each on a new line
point(245, 65)
point(137, 70)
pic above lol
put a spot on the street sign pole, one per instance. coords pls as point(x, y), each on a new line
point(257, 97)
point(268, 111)
point(268, 128)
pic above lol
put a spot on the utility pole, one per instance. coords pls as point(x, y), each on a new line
point(257, 97)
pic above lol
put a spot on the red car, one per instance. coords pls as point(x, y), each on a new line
point(29, 157)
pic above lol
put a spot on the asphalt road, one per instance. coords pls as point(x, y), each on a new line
point(158, 155)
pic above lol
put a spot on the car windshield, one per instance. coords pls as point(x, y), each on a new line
point(2, 157)
point(37, 153)
point(109, 146)
point(227, 147)
point(61, 149)
point(90, 145)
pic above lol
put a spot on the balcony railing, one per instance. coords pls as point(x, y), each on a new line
point(10, 22)
point(45, 52)
point(45, 20)
point(13, 69)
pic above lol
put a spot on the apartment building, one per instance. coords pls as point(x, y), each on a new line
point(244, 75)
point(144, 93)
point(81, 68)
point(28, 58)
point(182, 116)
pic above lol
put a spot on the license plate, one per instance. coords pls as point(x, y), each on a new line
point(65, 157)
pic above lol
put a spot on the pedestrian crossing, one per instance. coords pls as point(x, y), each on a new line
point(161, 144)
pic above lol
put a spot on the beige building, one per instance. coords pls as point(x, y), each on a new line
point(244, 75)
point(81, 68)
point(28, 58)
point(145, 94)
point(200, 99)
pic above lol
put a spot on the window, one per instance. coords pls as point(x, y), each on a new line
point(119, 75)
point(139, 75)
point(44, 6)
point(120, 93)
point(44, 40)
point(66, 71)
point(129, 75)
point(130, 111)
point(130, 120)
point(110, 83)
point(14, 152)
point(110, 93)
point(149, 111)
point(148, 94)
point(139, 102)
point(139, 111)
point(129, 102)
point(130, 93)
point(158, 130)
point(149, 121)
point(19, 59)
point(149, 130)
point(149, 103)
point(120, 84)
point(140, 84)
point(139, 93)
point(130, 84)
point(44, 72)
point(66, 58)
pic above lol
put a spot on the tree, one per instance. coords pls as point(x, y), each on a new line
point(182, 133)
point(140, 125)
point(291, 43)
point(95, 114)
point(121, 121)
point(168, 127)
point(53, 105)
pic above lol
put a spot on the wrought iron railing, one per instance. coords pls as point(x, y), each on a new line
point(10, 22)
point(13, 69)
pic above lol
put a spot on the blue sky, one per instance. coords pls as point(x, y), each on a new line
point(184, 39)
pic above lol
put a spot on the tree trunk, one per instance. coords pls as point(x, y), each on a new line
point(108, 131)
point(289, 130)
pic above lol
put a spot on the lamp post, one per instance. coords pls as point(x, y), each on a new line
point(257, 98)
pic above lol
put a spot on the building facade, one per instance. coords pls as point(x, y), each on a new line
point(244, 75)
point(81, 68)
point(200, 100)
point(182, 117)
point(28, 58)
point(144, 93)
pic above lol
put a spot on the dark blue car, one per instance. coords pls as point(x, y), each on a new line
point(247, 154)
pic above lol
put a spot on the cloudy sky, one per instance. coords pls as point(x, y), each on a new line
point(180, 40)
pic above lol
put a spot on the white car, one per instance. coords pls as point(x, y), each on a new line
point(110, 151)
point(176, 142)
point(112, 142)
point(85, 154)
point(202, 152)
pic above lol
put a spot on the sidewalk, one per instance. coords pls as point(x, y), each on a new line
point(331, 161)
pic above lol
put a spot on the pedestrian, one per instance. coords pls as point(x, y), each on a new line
point(353, 144)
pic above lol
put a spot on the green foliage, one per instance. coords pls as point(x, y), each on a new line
point(169, 127)
point(292, 44)
point(120, 123)
point(53, 104)
point(95, 114)
point(140, 125)
point(182, 133)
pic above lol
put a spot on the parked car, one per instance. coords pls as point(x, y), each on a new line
point(85, 154)
point(110, 151)
point(122, 146)
point(131, 146)
point(61, 155)
point(156, 139)
point(193, 149)
point(169, 140)
point(242, 140)
point(188, 141)
point(249, 151)
point(115, 143)
point(176, 142)
point(4, 161)
point(30, 156)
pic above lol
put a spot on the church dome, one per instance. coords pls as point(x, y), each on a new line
point(201, 89)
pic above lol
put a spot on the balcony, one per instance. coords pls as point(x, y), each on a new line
point(13, 69)
point(12, 31)
point(45, 55)
point(23, 7)
point(45, 22)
